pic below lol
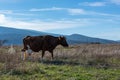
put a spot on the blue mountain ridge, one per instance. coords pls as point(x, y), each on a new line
point(14, 36)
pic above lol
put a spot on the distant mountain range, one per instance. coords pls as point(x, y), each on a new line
point(118, 40)
point(15, 36)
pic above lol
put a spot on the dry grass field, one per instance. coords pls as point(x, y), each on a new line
point(80, 62)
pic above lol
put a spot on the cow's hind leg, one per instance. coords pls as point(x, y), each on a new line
point(43, 52)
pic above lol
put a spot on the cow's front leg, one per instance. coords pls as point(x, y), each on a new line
point(52, 57)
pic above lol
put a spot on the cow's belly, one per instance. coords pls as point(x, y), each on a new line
point(36, 48)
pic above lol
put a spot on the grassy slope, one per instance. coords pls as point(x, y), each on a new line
point(83, 62)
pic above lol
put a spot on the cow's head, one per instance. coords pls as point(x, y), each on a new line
point(62, 41)
point(26, 42)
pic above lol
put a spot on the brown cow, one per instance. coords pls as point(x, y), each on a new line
point(44, 43)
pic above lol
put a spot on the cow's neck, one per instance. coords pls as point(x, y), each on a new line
point(55, 44)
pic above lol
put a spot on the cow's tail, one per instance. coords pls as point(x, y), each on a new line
point(25, 45)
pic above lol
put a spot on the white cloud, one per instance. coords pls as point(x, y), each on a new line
point(71, 11)
point(117, 2)
point(2, 18)
point(6, 11)
point(38, 24)
point(48, 25)
point(99, 4)
point(47, 9)
point(9, 1)
point(94, 4)
point(16, 13)
point(76, 11)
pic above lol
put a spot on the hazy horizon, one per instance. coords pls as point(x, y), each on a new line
point(93, 18)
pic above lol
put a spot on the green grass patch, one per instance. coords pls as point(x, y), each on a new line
point(40, 71)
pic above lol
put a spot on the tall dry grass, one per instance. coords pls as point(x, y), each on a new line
point(97, 55)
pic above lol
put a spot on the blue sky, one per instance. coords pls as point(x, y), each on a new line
point(95, 18)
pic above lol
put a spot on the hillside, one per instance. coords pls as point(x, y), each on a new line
point(77, 38)
point(15, 36)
